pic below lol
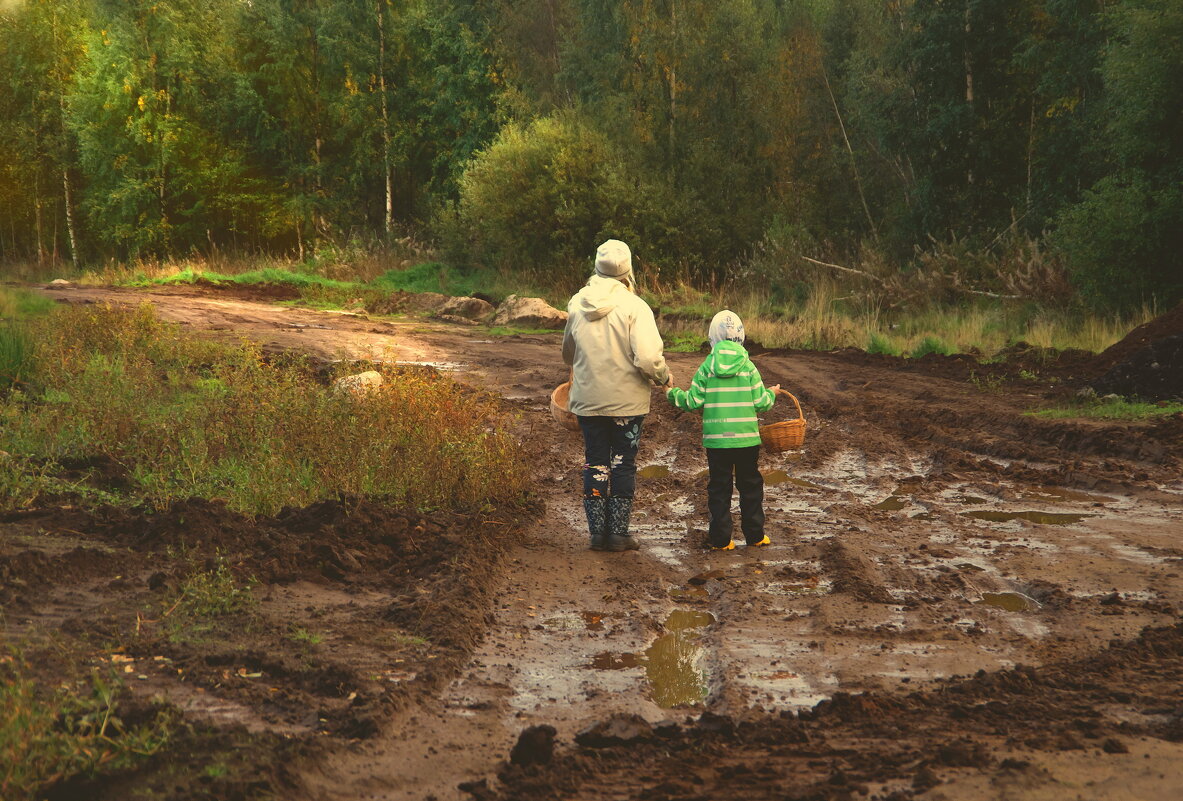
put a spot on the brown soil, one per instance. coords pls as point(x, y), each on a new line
point(1161, 327)
point(929, 532)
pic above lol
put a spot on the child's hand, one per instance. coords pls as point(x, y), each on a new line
point(775, 388)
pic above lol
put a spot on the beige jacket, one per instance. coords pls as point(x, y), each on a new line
point(612, 344)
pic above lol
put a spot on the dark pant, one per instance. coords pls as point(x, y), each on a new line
point(610, 448)
point(723, 464)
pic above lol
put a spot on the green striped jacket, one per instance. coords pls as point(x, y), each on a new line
point(728, 389)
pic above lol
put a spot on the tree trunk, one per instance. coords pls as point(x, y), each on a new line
point(37, 219)
point(969, 83)
point(858, 181)
point(388, 219)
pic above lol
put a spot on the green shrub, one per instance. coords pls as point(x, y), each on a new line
point(544, 195)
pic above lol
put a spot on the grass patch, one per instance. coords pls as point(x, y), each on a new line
point(50, 736)
point(16, 347)
point(1119, 409)
point(182, 417)
point(823, 316)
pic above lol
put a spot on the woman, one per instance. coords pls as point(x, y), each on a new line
point(612, 345)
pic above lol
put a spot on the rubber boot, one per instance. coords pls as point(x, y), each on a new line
point(597, 523)
point(619, 512)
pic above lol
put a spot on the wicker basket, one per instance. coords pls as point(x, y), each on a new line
point(782, 436)
point(558, 407)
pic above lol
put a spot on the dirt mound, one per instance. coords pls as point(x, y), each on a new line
point(342, 541)
point(1153, 373)
point(1161, 327)
point(901, 744)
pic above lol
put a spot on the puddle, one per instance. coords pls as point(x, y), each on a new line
point(690, 593)
point(924, 516)
point(1061, 495)
point(973, 500)
point(450, 367)
point(613, 661)
point(654, 471)
point(893, 504)
point(774, 477)
point(814, 585)
point(1010, 601)
point(1046, 518)
point(673, 663)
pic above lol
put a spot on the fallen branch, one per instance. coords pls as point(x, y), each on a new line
point(987, 294)
point(874, 278)
point(883, 283)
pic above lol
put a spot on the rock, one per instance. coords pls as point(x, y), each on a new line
point(535, 746)
point(59, 283)
point(667, 729)
point(478, 789)
point(1112, 745)
point(529, 313)
point(620, 729)
point(468, 308)
point(451, 318)
point(360, 383)
point(403, 301)
point(719, 724)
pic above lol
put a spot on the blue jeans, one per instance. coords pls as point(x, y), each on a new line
point(610, 449)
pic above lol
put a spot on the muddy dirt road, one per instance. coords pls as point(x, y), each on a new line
point(929, 532)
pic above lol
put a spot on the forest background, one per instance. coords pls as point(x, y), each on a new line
point(857, 154)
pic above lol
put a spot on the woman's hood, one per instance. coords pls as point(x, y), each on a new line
point(600, 297)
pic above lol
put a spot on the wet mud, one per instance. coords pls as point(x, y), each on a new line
point(960, 600)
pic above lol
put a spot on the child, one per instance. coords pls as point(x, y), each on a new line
point(728, 389)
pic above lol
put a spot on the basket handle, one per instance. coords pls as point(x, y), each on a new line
point(793, 398)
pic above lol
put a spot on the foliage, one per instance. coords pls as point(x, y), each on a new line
point(1124, 238)
point(723, 139)
point(184, 417)
point(48, 737)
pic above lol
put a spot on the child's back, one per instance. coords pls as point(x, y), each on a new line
point(728, 389)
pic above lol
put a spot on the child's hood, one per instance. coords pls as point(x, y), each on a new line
point(727, 358)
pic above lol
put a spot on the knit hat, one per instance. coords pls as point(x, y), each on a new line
point(615, 260)
point(726, 325)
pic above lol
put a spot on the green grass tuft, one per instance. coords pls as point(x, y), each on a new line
point(1119, 409)
point(931, 344)
point(882, 345)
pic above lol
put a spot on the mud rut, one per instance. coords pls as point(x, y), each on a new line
point(928, 530)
